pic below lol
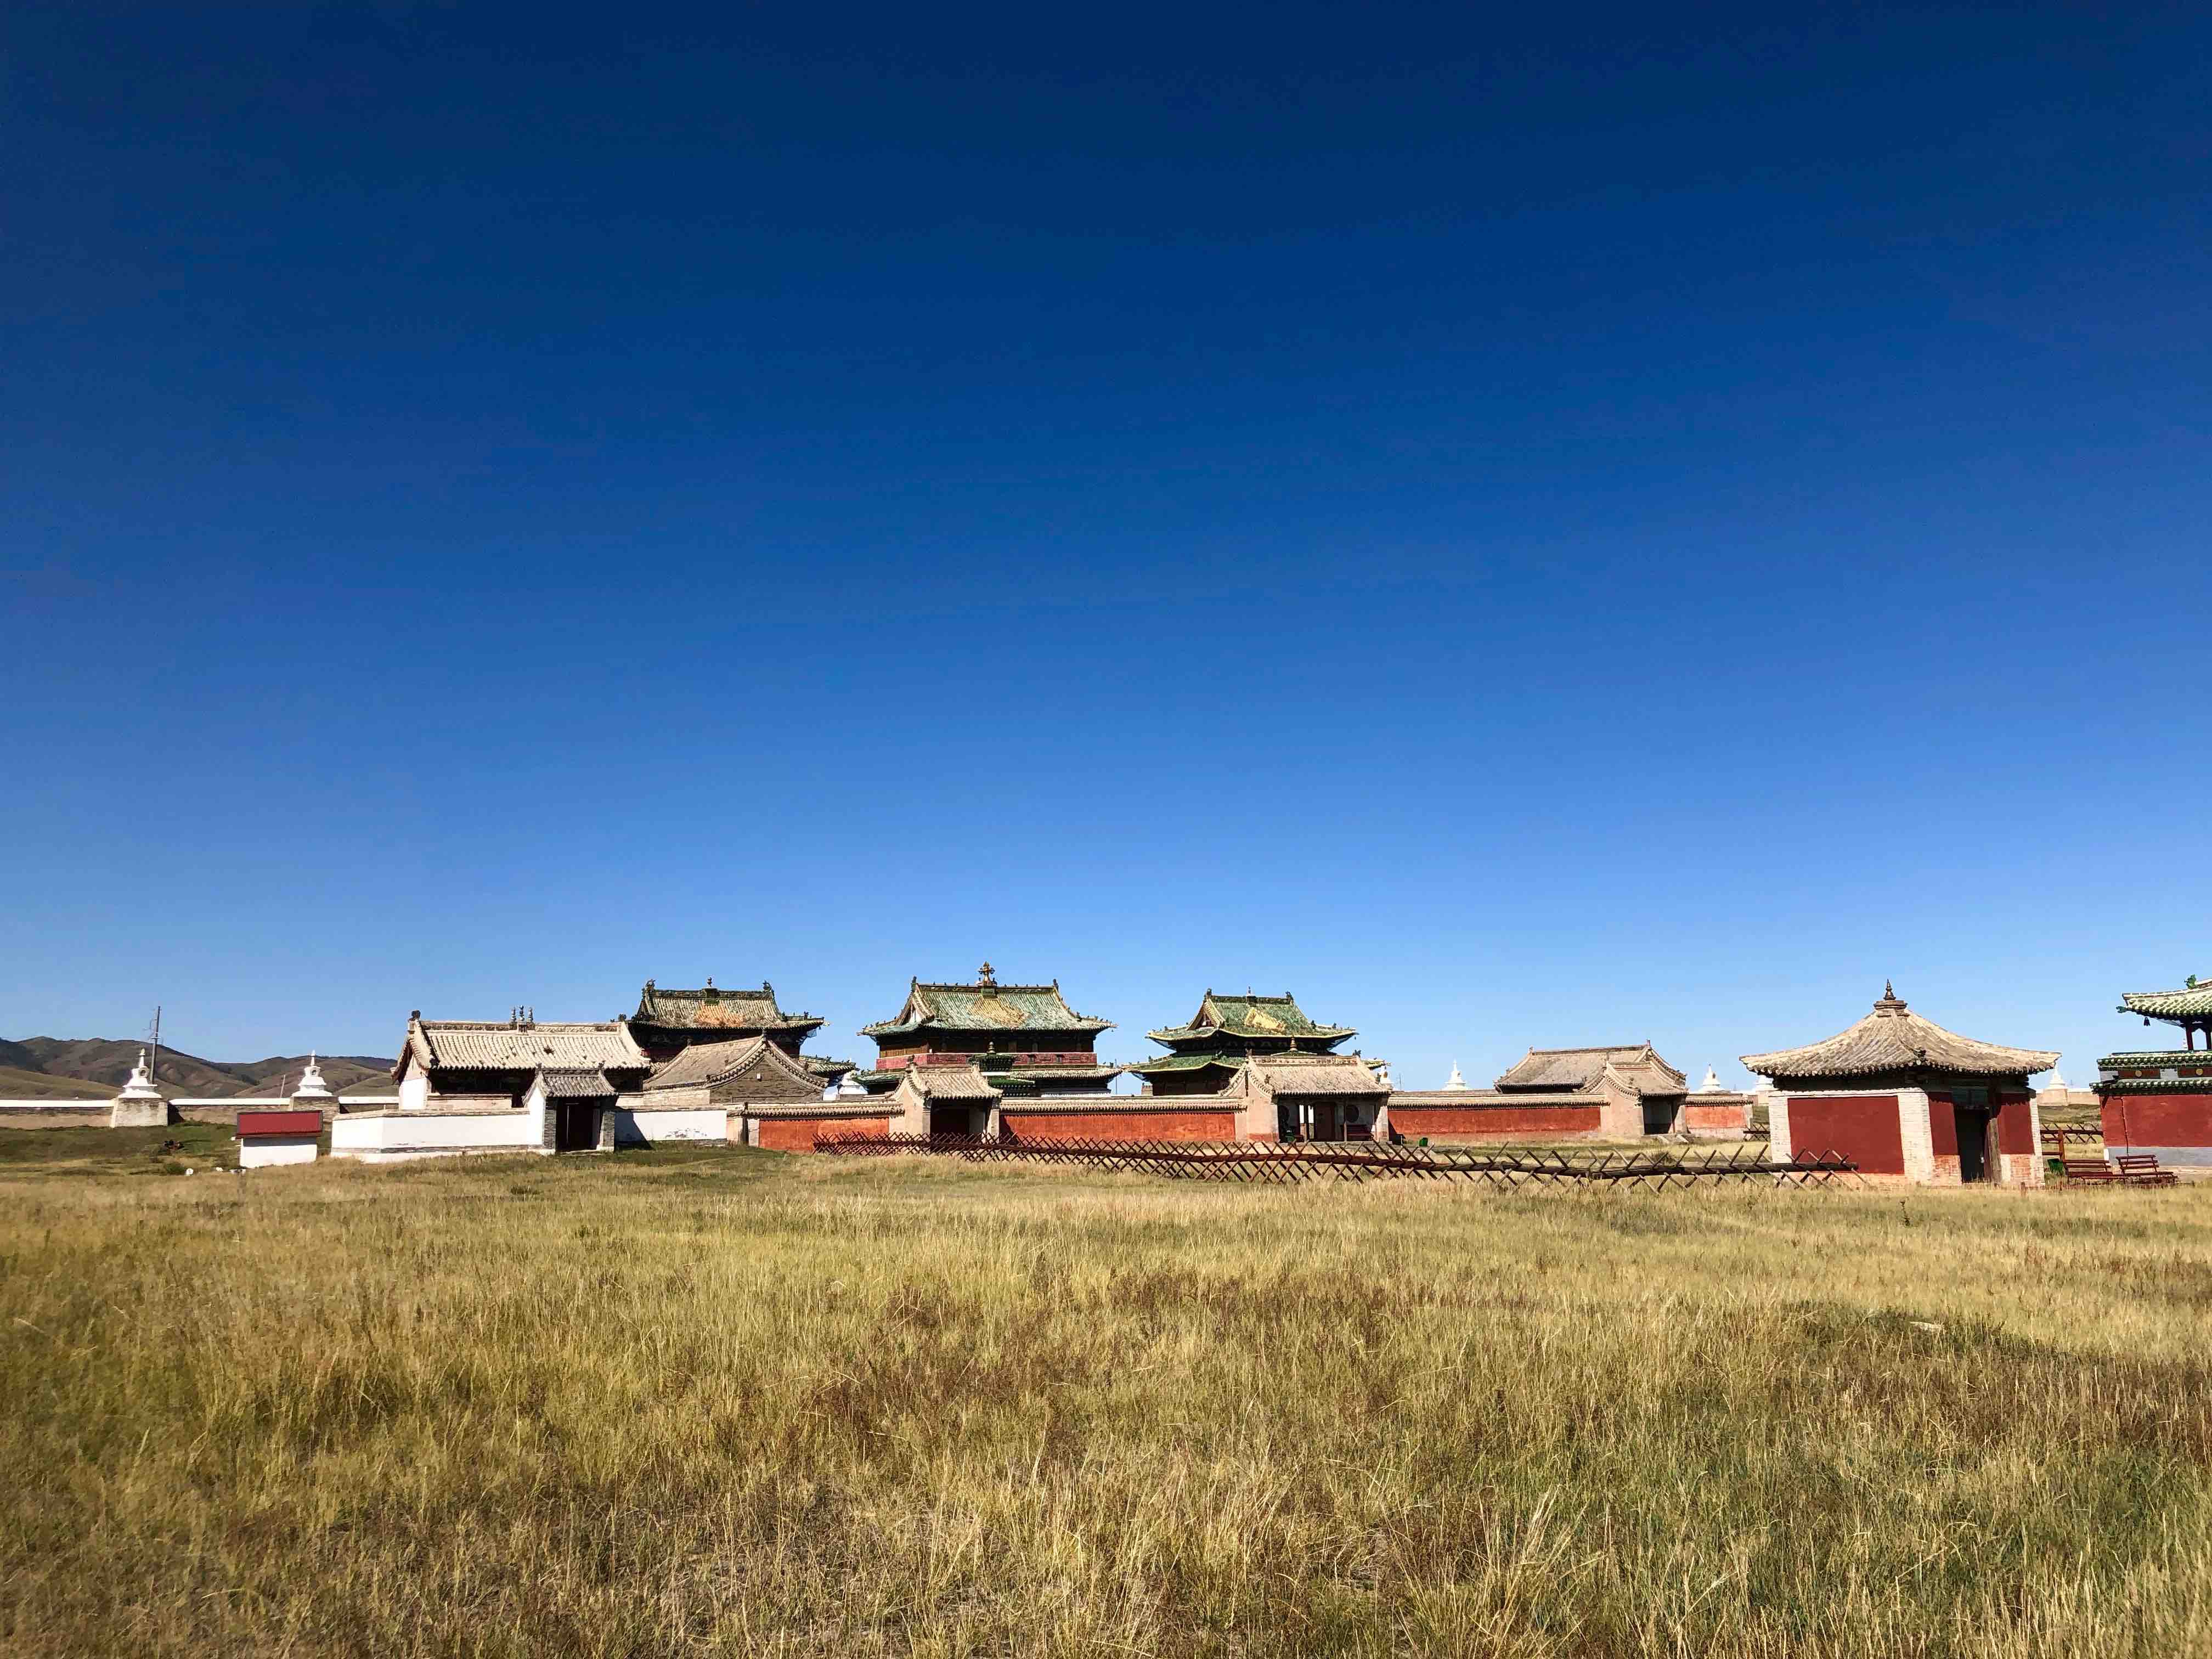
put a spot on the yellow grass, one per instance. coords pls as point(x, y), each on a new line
point(737, 1403)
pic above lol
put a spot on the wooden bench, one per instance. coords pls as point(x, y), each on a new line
point(2090, 1168)
point(2142, 1169)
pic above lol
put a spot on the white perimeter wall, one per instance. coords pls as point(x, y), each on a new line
point(435, 1134)
point(634, 1129)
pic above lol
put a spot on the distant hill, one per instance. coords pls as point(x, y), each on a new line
point(94, 1068)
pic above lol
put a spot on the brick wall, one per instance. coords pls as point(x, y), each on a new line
point(1494, 1122)
point(1864, 1129)
point(1021, 1125)
point(2159, 1120)
point(799, 1134)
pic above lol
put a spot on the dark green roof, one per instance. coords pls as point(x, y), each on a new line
point(713, 1008)
point(2192, 1001)
point(1189, 1063)
point(1250, 1015)
point(986, 1005)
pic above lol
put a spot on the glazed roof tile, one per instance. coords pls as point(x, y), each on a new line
point(986, 1005)
point(1894, 1039)
point(2191, 1002)
point(1250, 1015)
point(711, 1007)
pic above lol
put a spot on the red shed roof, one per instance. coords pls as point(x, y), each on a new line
point(279, 1123)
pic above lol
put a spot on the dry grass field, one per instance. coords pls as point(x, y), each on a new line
point(733, 1403)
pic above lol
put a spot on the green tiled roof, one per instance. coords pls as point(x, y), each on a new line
point(2155, 1085)
point(2192, 1001)
point(1188, 1063)
point(1250, 1015)
point(986, 1005)
point(713, 1008)
point(2156, 1057)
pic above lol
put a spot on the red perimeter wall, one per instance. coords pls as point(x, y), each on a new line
point(1863, 1128)
point(2159, 1120)
point(1714, 1117)
point(1501, 1122)
point(799, 1134)
point(1118, 1126)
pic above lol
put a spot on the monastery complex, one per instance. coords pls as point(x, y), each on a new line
point(1900, 1097)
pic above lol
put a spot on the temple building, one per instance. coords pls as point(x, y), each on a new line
point(1619, 1091)
point(1023, 1038)
point(1906, 1100)
point(2159, 1101)
point(668, 1022)
point(519, 1087)
point(1224, 1033)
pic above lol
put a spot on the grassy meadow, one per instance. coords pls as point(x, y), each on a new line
point(731, 1402)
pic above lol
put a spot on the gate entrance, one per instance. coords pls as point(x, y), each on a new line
point(575, 1125)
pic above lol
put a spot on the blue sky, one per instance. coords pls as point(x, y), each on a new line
point(1591, 527)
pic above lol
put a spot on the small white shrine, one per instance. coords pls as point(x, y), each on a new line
point(141, 1105)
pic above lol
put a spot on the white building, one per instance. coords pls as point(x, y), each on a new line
point(519, 1086)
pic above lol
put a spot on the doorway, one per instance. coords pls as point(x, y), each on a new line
point(1975, 1128)
point(575, 1126)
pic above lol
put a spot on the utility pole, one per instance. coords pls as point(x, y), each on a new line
point(155, 1069)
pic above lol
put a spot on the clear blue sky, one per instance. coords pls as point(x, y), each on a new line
point(1617, 523)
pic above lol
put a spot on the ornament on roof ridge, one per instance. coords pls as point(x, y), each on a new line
point(985, 976)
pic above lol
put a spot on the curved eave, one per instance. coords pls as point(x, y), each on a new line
point(2175, 1005)
point(2155, 1085)
point(1776, 1066)
point(1202, 1033)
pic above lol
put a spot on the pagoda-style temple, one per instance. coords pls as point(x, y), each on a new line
point(2159, 1101)
point(1224, 1033)
point(668, 1022)
point(1024, 1038)
point(1905, 1099)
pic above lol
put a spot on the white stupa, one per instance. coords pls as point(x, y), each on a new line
point(1711, 1085)
point(141, 1104)
point(313, 1091)
point(1454, 1081)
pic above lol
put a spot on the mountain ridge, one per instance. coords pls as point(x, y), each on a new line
point(91, 1068)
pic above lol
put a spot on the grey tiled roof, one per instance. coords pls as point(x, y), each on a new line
point(484, 1046)
point(1569, 1068)
point(950, 1083)
point(711, 1062)
point(1321, 1074)
point(577, 1085)
point(1894, 1039)
point(1491, 1097)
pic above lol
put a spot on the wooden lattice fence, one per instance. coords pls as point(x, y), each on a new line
point(1291, 1163)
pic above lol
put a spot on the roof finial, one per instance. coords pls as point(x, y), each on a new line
point(1888, 991)
point(985, 976)
point(1890, 1003)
